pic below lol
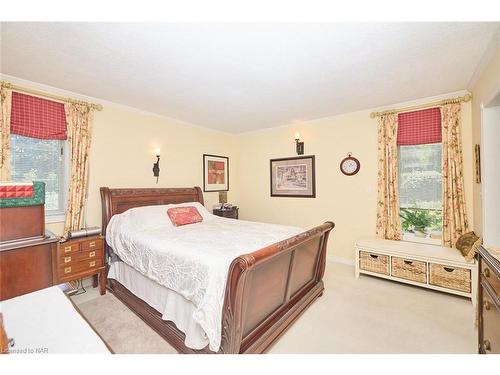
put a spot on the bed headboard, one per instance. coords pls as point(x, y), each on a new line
point(116, 201)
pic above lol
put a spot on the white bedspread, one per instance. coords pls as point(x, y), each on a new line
point(194, 259)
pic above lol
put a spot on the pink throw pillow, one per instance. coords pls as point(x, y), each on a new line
point(184, 215)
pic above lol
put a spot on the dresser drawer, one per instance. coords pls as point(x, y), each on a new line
point(491, 323)
point(445, 276)
point(92, 244)
point(374, 262)
point(67, 271)
point(81, 255)
point(409, 269)
point(491, 277)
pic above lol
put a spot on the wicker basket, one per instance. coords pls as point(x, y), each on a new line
point(409, 269)
point(450, 277)
point(374, 262)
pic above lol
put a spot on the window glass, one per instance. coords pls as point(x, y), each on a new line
point(41, 160)
point(420, 187)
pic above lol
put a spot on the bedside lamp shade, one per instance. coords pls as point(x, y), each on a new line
point(222, 197)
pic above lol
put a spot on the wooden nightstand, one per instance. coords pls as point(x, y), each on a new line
point(82, 257)
point(231, 213)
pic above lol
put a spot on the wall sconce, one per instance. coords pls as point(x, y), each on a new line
point(156, 166)
point(299, 145)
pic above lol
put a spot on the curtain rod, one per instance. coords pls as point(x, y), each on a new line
point(47, 95)
point(438, 103)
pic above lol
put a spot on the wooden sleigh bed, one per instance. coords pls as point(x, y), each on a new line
point(254, 315)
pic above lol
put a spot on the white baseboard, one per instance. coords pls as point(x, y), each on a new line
point(336, 259)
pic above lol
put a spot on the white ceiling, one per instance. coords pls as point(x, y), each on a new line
point(241, 77)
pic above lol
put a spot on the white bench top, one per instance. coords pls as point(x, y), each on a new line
point(407, 249)
point(45, 321)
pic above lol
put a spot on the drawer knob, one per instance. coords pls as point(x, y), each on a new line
point(408, 262)
point(67, 270)
point(92, 244)
point(92, 254)
point(67, 259)
point(92, 264)
point(487, 272)
point(67, 249)
point(448, 269)
point(487, 345)
point(374, 256)
point(487, 305)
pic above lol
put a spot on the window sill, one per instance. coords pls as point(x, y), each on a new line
point(410, 237)
point(54, 218)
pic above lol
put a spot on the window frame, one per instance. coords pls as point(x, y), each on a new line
point(57, 216)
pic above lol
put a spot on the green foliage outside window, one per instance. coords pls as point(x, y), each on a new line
point(417, 219)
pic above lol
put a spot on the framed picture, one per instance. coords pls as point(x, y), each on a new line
point(215, 173)
point(293, 177)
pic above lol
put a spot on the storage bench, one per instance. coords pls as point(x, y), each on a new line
point(429, 266)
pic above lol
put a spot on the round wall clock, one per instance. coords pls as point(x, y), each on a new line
point(350, 165)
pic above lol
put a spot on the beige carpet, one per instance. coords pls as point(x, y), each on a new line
point(365, 315)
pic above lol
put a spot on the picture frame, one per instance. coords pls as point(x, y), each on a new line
point(293, 177)
point(215, 173)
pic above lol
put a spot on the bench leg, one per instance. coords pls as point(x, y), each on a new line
point(356, 263)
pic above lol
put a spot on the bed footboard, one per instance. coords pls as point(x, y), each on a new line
point(268, 289)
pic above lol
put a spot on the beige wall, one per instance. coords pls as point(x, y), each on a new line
point(348, 201)
point(122, 154)
point(483, 91)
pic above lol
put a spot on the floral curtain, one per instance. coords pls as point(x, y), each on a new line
point(388, 222)
point(454, 211)
point(79, 119)
point(6, 104)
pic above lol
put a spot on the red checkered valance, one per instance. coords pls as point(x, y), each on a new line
point(37, 118)
point(419, 127)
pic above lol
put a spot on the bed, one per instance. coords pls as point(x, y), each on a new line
point(265, 288)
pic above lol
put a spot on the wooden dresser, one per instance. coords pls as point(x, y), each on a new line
point(489, 303)
point(82, 257)
point(27, 265)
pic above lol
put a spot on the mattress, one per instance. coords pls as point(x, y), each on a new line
point(192, 260)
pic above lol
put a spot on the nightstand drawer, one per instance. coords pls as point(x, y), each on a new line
point(69, 270)
point(68, 248)
point(92, 244)
point(82, 255)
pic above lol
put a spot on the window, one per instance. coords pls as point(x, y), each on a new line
point(420, 171)
point(420, 187)
point(42, 160)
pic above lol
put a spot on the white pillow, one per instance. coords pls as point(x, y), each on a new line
point(141, 218)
